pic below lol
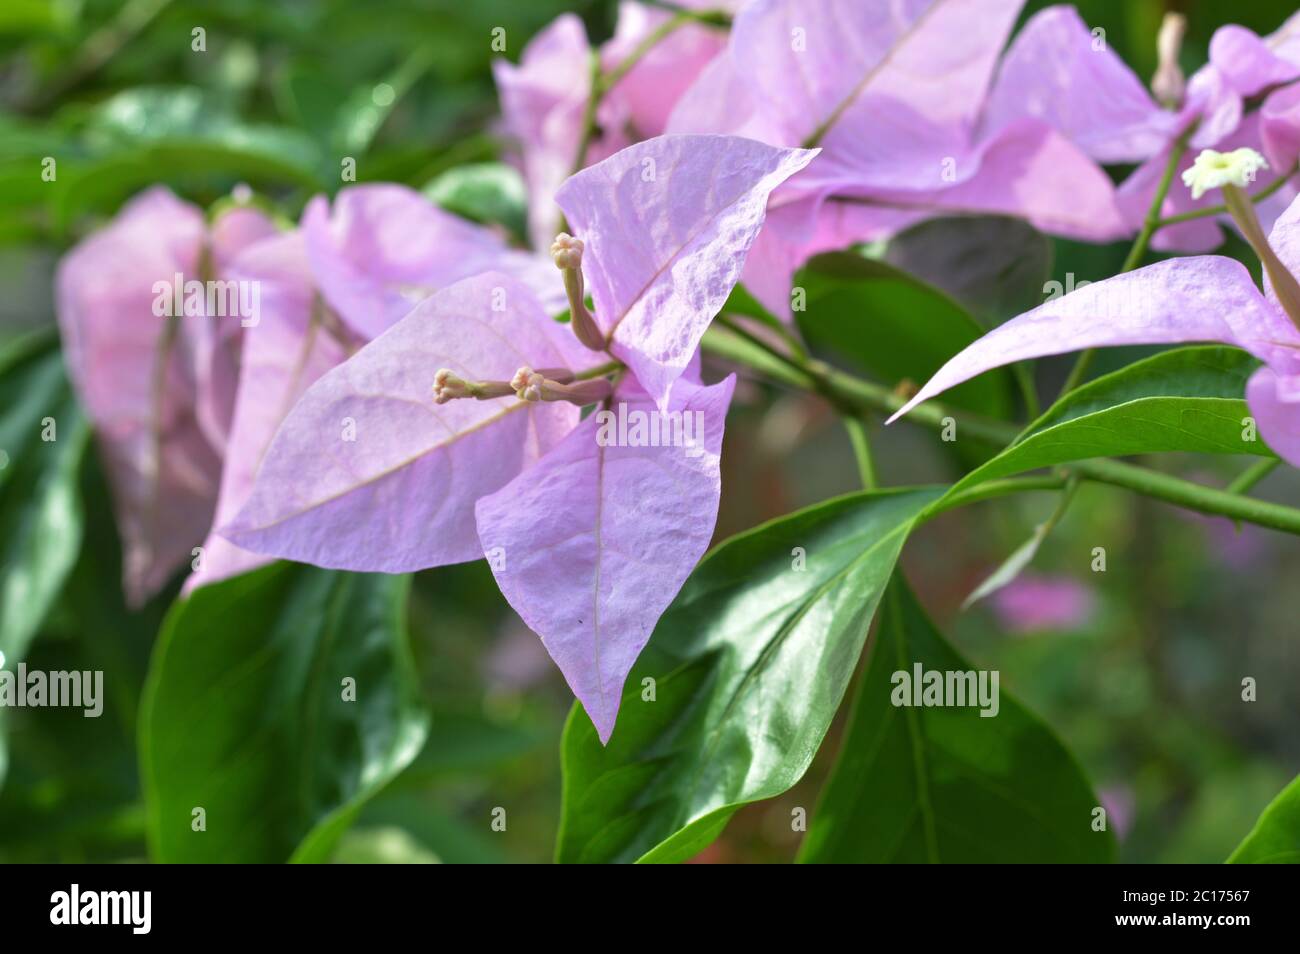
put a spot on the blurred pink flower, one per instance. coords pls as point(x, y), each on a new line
point(1243, 69)
point(544, 97)
point(1235, 547)
point(919, 114)
point(158, 386)
point(1037, 603)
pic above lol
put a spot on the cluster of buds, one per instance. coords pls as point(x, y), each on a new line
point(545, 384)
point(551, 384)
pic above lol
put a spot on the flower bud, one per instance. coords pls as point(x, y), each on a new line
point(527, 384)
point(448, 386)
point(533, 385)
point(566, 252)
point(1168, 83)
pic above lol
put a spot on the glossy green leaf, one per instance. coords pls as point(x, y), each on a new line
point(749, 665)
point(1188, 399)
point(488, 192)
point(245, 717)
point(43, 437)
point(894, 326)
point(42, 442)
point(73, 786)
point(996, 267)
point(947, 783)
point(363, 113)
point(1275, 839)
point(182, 136)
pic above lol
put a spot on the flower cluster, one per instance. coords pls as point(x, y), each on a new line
point(413, 391)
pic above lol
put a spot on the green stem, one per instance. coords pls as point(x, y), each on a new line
point(100, 47)
point(1190, 496)
point(1150, 224)
point(992, 489)
point(649, 42)
point(857, 429)
point(602, 83)
point(847, 391)
point(1252, 475)
point(588, 119)
point(1257, 198)
point(1078, 371)
point(718, 18)
point(609, 367)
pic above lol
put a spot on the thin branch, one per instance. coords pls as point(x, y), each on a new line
point(1149, 226)
point(1258, 197)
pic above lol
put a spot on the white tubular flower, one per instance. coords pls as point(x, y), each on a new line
point(1214, 170)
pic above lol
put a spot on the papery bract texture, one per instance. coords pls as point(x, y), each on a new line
point(368, 473)
point(156, 386)
point(381, 249)
point(667, 224)
point(291, 346)
point(1247, 62)
point(897, 95)
point(218, 341)
point(1056, 70)
point(653, 86)
point(1206, 298)
point(593, 543)
point(542, 104)
point(1242, 67)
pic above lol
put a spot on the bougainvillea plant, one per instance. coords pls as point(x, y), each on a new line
point(299, 403)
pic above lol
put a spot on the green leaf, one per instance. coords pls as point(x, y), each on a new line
point(488, 192)
point(749, 665)
point(1024, 554)
point(73, 786)
point(422, 816)
point(183, 136)
point(33, 17)
point(1275, 838)
point(947, 783)
point(382, 846)
point(40, 507)
point(1188, 399)
point(311, 98)
point(365, 110)
point(894, 326)
point(41, 518)
point(244, 714)
point(993, 265)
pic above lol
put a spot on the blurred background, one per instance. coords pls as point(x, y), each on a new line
point(1138, 668)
